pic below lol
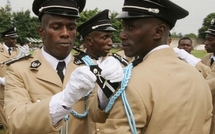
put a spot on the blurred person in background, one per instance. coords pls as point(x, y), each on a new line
point(8, 50)
point(186, 44)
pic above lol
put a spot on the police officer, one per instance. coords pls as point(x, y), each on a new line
point(47, 93)
point(210, 45)
point(97, 39)
point(8, 50)
point(209, 61)
point(42, 95)
point(97, 33)
point(159, 94)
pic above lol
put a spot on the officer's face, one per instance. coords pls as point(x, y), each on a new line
point(185, 44)
point(58, 34)
point(10, 42)
point(98, 43)
point(210, 43)
point(137, 36)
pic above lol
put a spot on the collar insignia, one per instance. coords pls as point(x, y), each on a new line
point(35, 64)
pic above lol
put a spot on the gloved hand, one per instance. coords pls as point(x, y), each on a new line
point(184, 55)
point(82, 80)
point(103, 100)
point(111, 70)
point(24, 49)
point(2, 81)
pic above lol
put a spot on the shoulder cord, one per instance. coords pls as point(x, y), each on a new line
point(127, 75)
point(88, 61)
point(66, 118)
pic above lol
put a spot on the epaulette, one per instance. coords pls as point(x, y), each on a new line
point(137, 61)
point(8, 62)
point(107, 87)
point(78, 57)
point(120, 59)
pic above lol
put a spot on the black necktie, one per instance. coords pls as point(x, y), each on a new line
point(60, 67)
point(9, 50)
point(212, 61)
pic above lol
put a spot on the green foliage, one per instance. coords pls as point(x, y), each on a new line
point(175, 35)
point(205, 25)
point(5, 18)
point(117, 24)
point(1, 131)
point(180, 35)
point(191, 35)
point(199, 53)
point(114, 50)
point(25, 24)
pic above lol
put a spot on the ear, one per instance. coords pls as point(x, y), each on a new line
point(159, 31)
point(41, 32)
point(89, 40)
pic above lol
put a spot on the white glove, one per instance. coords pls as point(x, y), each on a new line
point(25, 49)
point(2, 81)
point(82, 80)
point(103, 100)
point(111, 70)
point(184, 55)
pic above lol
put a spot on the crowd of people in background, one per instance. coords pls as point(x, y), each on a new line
point(147, 87)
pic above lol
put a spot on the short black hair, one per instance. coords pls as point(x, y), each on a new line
point(185, 38)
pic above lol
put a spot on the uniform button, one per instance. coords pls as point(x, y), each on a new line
point(38, 101)
point(97, 130)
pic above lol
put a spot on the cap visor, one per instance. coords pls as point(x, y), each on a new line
point(209, 32)
point(111, 29)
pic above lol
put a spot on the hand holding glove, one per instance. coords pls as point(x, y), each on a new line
point(2, 81)
point(82, 80)
point(111, 70)
point(184, 55)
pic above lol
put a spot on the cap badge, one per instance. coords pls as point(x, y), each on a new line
point(152, 10)
point(109, 15)
point(35, 64)
point(212, 21)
